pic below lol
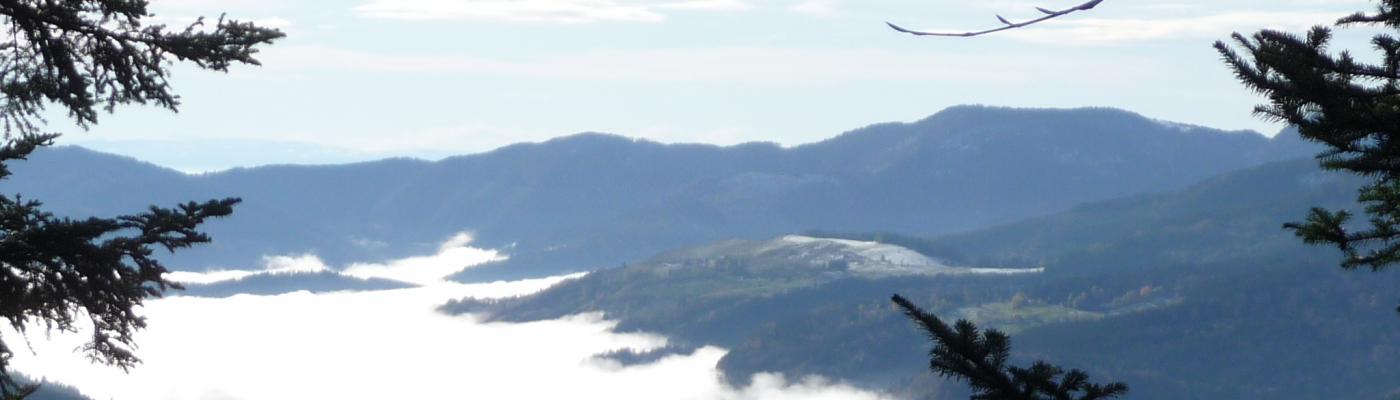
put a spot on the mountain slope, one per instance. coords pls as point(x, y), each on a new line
point(718, 293)
point(1233, 216)
point(1211, 291)
point(1185, 294)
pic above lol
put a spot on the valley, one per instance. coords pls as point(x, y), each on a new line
point(757, 271)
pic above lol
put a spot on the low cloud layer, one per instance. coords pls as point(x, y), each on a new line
point(453, 256)
point(388, 344)
point(305, 263)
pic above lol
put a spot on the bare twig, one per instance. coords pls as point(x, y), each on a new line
point(1049, 14)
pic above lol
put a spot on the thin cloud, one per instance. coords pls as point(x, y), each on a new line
point(820, 8)
point(739, 64)
point(1125, 30)
point(706, 5)
point(545, 11)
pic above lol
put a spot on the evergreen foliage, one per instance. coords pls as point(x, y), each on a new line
point(84, 55)
point(980, 357)
point(1352, 107)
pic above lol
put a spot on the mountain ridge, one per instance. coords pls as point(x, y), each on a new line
point(595, 200)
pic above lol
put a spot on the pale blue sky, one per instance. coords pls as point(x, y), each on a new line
point(364, 79)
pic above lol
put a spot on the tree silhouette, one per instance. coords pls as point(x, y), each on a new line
point(86, 55)
point(979, 357)
point(1352, 107)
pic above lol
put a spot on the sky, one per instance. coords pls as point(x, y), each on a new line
point(365, 79)
point(387, 344)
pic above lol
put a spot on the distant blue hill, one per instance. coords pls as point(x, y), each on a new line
point(282, 283)
point(593, 200)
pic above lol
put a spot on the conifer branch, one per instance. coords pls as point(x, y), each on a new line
point(979, 358)
point(1007, 25)
point(1348, 105)
point(86, 56)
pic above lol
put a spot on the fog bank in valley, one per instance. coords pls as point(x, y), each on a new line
point(386, 344)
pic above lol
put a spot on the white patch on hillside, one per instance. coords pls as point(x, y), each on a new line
point(1183, 128)
point(875, 258)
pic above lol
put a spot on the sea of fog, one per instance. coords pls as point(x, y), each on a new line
point(387, 344)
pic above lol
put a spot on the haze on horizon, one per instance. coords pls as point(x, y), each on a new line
point(367, 79)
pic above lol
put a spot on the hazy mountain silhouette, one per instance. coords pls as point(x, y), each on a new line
point(592, 200)
point(281, 283)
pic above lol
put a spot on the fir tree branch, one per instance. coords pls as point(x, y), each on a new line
point(979, 358)
point(1007, 25)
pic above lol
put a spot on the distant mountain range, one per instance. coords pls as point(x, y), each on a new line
point(591, 200)
point(1145, 251)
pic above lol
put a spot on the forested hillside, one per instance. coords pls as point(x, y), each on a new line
point(1186, 294)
